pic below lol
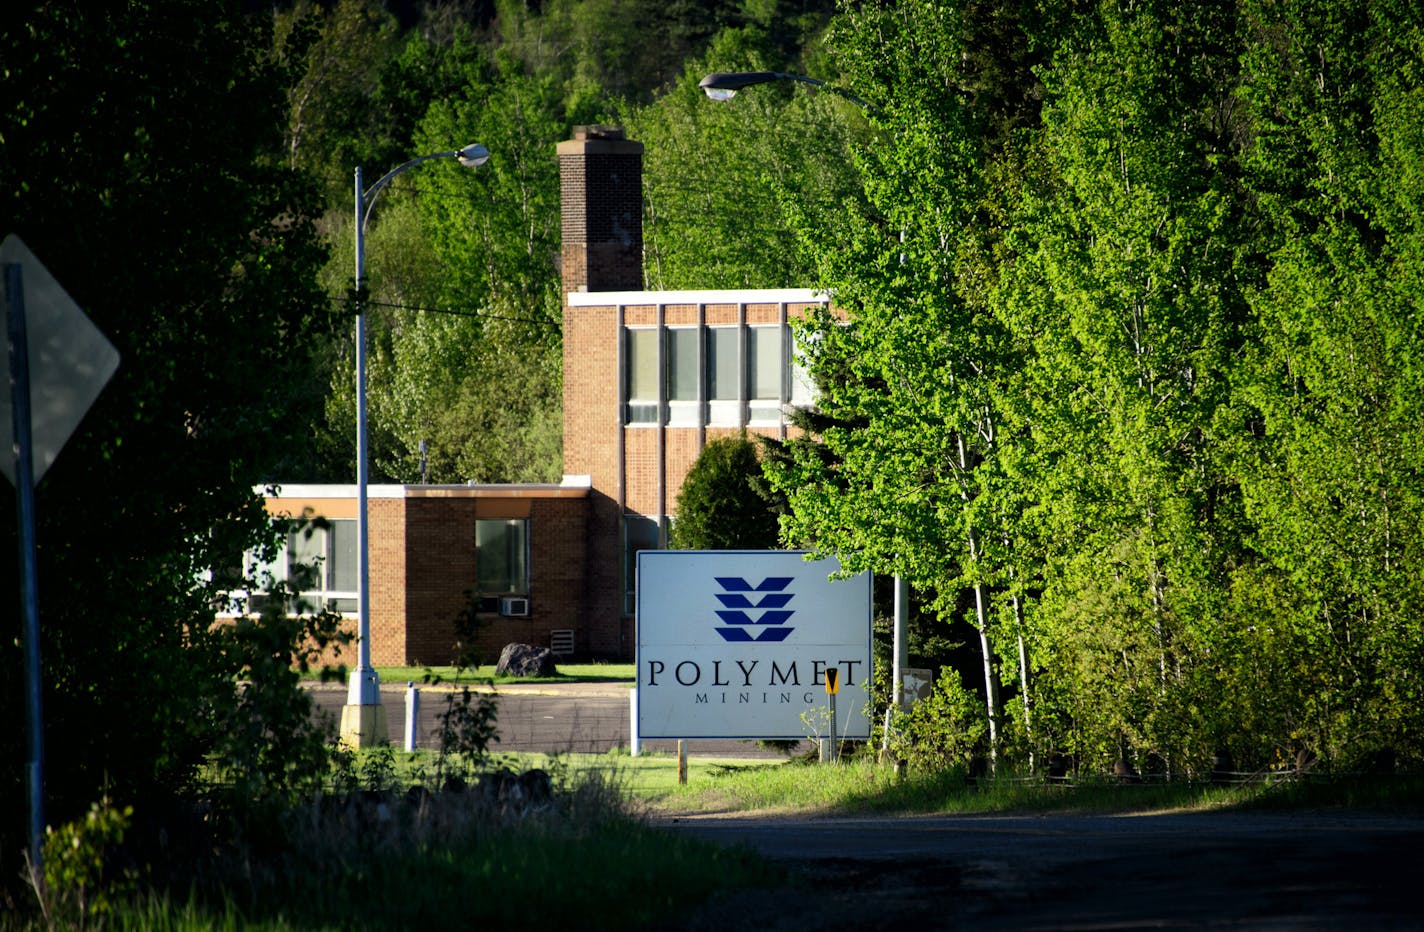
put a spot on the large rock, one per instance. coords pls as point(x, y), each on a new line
point(525, 660)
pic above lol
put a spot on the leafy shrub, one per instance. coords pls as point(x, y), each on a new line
point(942, 731)
point(82, 881)
point(273, 749)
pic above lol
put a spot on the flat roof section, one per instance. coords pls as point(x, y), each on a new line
point(571, 487)
point(740, 296)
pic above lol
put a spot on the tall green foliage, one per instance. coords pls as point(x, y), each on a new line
point(336, 113)
point(1131, 364)
point(633, 49)
point(716, 176)
point(909, 384)
point(1330, 470)
point(1132, 238)
point(464, 341)
point(141, 152)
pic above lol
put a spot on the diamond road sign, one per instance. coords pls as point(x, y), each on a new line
point(70, 362)
point(739, 644)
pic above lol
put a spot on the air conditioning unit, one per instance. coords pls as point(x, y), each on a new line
point(513, 606)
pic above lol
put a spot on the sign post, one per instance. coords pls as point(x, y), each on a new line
point(833, 687)
point(56, 363)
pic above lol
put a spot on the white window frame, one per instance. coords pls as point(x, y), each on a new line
point(325, 596)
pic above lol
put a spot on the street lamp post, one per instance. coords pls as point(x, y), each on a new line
point(723, 85)
point(363, 720)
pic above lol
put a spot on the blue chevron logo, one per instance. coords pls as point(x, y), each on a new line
point(738, 607)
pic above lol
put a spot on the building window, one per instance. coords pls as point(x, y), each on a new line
point(639, 533)
point(318, 566)
point(766, 369)
point(502, 556)
point(641, 373)
point(724, 376)
point(684, 377)
point(803, 387)
point(682, 365)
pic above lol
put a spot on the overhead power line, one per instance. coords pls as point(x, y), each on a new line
point(539, 321)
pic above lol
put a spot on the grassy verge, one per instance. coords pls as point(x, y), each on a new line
point(863, 786)
point(586, 857)
point(614, 673)
point(580, 857)
point(515, 879)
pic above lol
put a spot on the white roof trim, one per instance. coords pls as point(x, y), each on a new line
point(742, 296)
point(386, 490)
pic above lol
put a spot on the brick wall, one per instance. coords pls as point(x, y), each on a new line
point(591, 388)
point(440, 561)
point(388, 552)
point(423, 565)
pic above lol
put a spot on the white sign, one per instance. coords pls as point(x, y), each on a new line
point(736, 644)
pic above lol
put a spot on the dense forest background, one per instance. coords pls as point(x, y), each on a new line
point(1129, 390)
point(463, 266)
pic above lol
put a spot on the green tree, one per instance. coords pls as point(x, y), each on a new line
point(908, 385)
point(1332, 374)
point(464, 304)
point(1131, 296)
point(717, 176)
point(143, 163)
point(632, 49)
point(724, 503)
point(337, 116)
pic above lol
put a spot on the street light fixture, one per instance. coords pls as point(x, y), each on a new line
point(363, 720)
point(723, 85)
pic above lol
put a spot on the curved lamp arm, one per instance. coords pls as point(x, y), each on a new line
point(472, 156)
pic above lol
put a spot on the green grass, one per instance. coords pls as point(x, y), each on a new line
point(614, 673)
point(1395, 792)
point(499, 880)
point(461, 867)
point(862, 786)
point(587, 861)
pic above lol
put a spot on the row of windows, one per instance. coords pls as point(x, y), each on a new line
point(319, 565)
point(711, 375)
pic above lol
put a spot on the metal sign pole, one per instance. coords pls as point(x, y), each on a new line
point(29, 573)
point(833, 686)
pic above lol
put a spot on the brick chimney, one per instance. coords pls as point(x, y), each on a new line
point(601, 177)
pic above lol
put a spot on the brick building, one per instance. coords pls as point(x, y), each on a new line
point(649, 379)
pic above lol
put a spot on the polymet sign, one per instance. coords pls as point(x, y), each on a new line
point(737, 644)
